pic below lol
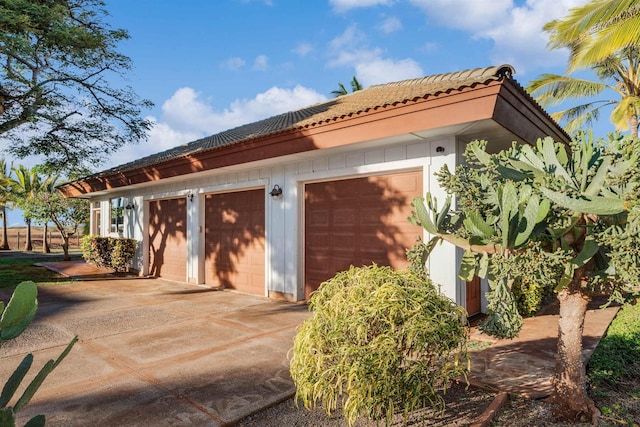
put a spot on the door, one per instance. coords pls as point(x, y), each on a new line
point(234, 240)
point(357, 222)
point(168, 239)
point(473, 296)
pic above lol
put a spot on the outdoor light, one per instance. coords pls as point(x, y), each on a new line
point(277, 191)
point(191, 197)
point(129, 206)
point(439, 149)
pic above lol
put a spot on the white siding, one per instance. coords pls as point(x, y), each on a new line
point(284, 215)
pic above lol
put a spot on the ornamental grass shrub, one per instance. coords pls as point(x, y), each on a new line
point(380, 342)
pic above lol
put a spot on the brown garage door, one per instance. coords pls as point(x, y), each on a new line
point(357, 222)
point(234, 240)
point(168, 239)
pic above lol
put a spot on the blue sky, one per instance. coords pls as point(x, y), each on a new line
point(210, 65)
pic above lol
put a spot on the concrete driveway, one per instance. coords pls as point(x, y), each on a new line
point(156, 353)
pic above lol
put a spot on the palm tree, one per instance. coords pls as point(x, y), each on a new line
point(5, 197)
point(595, 31)
point(26, 186)
point(355, 86)
point(619, 73)
point(47, 186)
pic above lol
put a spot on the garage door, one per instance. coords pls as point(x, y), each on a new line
point(357, 222)
point(234, 240)
point(168, 239)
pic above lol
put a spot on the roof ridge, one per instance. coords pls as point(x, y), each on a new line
point(492, 72)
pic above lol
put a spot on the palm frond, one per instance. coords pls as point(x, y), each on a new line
point(575, 118)
point(585, 19)
point(340, 91)
point(604, 43)
point(355, 85)
point(621, 114)
point(553, 89)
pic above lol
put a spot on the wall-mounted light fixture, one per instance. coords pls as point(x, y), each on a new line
point(191, 197)
point(129, 206)
point(439, 149)
point(277, 191)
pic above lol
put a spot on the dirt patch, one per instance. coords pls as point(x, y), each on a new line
point(463, 407)
point(619, 405)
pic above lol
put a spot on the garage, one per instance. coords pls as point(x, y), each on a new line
point(234, 240)
point(168, 239)
point(356, 222)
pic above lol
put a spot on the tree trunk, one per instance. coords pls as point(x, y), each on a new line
point(570, 381)
point(45, 243)
point(65, 246)
point(633, 124)
point(28, 246)
point(5, 238)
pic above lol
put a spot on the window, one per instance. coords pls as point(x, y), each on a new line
point(117, 215)
point(95, 222)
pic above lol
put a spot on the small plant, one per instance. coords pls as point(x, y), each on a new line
point(109, 252)
point(16, 316)
point(379, 342)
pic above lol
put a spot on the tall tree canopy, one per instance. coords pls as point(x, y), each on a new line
point(618, 74)
point(58, 60)
point(595, 31)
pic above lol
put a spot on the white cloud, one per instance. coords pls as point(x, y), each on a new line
point(345, 5)
point(261, 63)
point(233, 63)
point(351, 37)
point(469, 15)
point(303, 49)
point(381, 70)
point(371, 67)
point(515, 30)
point(391, 25)
point(186, 116)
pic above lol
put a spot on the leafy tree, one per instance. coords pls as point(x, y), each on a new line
point(577, 210)
point(58, 60)
point(66, 214)
point(595, 31)
point(342, 90)
point(618, 73)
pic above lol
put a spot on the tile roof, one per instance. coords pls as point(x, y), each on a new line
point(352, 104)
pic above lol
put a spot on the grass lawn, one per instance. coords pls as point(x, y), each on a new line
point(614, 368)
point(16, 267)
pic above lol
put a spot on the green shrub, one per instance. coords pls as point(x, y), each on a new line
point(529, 296)
point(379, 341)
point(122, 254)
point(109, 252)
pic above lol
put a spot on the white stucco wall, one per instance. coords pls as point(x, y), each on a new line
point(284, 219)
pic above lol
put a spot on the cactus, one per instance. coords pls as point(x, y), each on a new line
point(16, 316)
point(569, 219)
point(19, 311)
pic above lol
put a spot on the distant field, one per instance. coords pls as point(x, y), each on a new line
point(18, 236)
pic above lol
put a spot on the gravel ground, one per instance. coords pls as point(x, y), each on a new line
point(463, 406)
